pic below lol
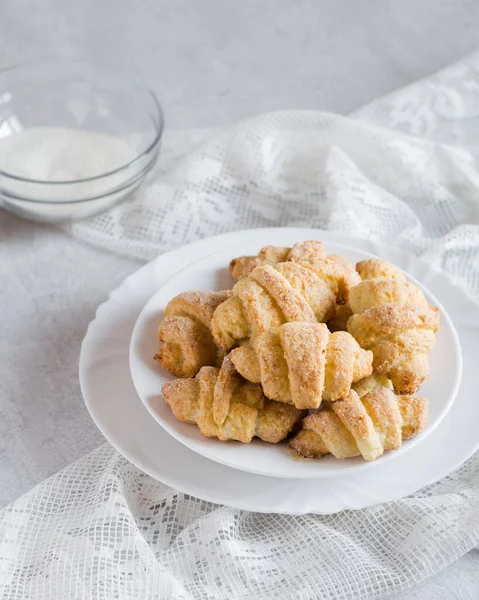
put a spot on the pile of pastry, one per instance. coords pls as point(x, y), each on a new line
point(304, 348)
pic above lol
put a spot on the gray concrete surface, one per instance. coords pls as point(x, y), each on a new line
point(211, 63)
point(214, 61)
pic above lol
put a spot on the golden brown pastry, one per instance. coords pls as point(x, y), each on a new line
point(186, 335)
point(282, 285)
point(335, 270)
point(370, 383)
point(270, 255)
point(303, 363)
point(247, 412)
point(392, 318)
point(269, 297)
point(366, 426)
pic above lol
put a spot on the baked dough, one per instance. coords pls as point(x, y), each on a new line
point(366, 426)
point(282, 285)
point(392, 318)
point(185, 332)
point(336, 270)
point(359, 376)
point(249, 413)
point(270, 255)
point(303, 363)
point(269, 297)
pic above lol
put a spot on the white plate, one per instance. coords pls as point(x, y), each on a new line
point(274, 460)
point(118, 412)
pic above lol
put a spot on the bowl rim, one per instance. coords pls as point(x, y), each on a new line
point(159, 126)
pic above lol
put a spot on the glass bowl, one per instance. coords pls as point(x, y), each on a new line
point(75, 139)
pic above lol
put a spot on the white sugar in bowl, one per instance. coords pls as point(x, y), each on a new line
point(74, 139)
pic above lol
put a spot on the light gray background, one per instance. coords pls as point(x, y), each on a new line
point(211, 62)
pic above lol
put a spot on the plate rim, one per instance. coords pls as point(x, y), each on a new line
point(213, 452)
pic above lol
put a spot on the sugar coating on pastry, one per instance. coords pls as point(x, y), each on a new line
point(414, 413)
point(187, 342)
point(284, 290)
point(269, 297)
point(248, 412)
point(339, 277)
point(303, 363)
point(269, 255)
point(197, 305)
point(372, 268)
point(381, 291)
point(335, 270)
point(391, 317)
point(366, 426)
point(283, 359)
point(305, 351)
point(301, 283)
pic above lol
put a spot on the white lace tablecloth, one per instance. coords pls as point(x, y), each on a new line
point(404, 171)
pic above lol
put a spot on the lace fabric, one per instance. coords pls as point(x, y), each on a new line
point(402, 171)
point(102, 529)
